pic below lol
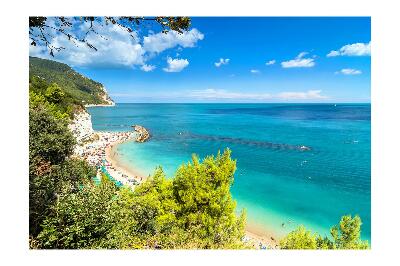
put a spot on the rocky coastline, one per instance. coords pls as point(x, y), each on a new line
point(143, 134)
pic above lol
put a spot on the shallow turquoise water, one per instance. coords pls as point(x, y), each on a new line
point(276, 180)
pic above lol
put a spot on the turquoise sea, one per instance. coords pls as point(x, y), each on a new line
point(280, 183)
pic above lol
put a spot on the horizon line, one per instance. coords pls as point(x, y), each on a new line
point(250, 102)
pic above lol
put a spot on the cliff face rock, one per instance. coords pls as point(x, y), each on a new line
point(142, 133)
point(106, 98)
point(81, 126)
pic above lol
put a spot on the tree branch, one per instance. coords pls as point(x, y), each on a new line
point(178, 24)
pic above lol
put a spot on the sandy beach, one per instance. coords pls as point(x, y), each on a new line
point(97, 150)
point(112, 157)
point(260, 238)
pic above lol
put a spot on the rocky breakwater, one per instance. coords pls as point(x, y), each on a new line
point(142, 134)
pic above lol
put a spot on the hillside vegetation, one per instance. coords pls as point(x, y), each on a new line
point(80, 89)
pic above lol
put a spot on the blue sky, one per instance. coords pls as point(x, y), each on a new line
point(226, 59)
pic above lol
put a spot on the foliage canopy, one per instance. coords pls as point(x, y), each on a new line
point(156, 215)
point(345, 235)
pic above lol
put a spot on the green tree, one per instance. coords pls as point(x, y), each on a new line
point(202, 190)
point(80, 219)
point(346, 235)
point(75, 172)
point(324, 243)
point(36, 84)
point(54, 94)
point(59, 113)
point(49, 137)
point(301, 238)
point(50, 143)
point(192, 210)
point(48, 184)
point(146, 216)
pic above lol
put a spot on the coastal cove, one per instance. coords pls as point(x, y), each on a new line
point(187, 143)
point(279, 183)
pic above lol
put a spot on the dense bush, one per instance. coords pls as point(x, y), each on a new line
point(50, 168)
point(80, 219)
point(159, 214)
point(49, 137)
point(194, 209)
point(53, 97)
point(300, 238)
point(345, 235)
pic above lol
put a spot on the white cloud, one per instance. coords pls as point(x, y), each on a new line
point(349, 71)
point(333, 53)
point(38, 51)
point(302, 54)
point(355, 49)
point(147, 68)
point(115, 46)
point(270, 62)
point(159, 42)
point(176, 65)
point(217, 94)
point(299, 61)
point(308, 95)
point(221, 95)
point(254, 71)
point(222, 62)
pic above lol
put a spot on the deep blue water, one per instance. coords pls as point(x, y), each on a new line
point(277, 180)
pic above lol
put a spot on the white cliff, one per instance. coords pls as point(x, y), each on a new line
point(81, 126)
point(107, 98)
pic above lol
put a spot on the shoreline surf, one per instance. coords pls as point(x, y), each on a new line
point(113, 157)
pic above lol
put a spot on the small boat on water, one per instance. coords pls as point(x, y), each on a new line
point(304, 148)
